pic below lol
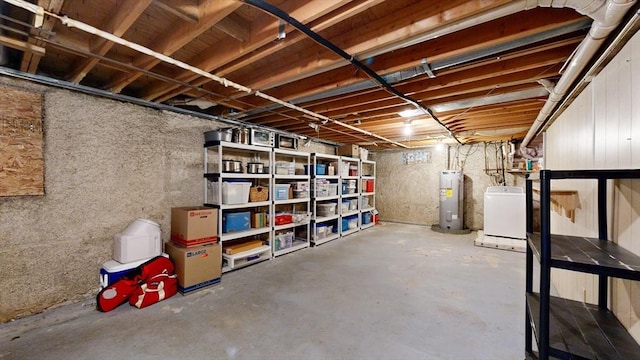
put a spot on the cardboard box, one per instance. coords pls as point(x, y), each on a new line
point(349, 150)
point(197, 266)
point(243, 246)
point(195, 225)
point(259, 220)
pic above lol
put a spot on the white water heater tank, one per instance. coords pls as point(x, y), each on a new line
point(451, 199)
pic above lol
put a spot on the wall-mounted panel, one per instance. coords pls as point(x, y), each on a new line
point(21, 152)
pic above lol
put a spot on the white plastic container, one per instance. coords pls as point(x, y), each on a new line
point(140, 240)
point(326, 209)
point(235, 192)
point(352, 223)
point(353, 204)
point(281, 191)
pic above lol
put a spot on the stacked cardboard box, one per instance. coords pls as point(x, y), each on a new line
point(194, 247)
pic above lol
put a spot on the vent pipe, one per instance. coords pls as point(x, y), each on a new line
point(606, 15)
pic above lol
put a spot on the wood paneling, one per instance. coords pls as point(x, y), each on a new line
point(600, 130)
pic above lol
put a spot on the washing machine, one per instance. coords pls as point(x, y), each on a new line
point(505, 212)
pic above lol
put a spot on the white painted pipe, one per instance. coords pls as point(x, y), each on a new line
point(606, 15)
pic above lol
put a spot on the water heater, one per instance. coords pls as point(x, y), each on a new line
point(451, 196)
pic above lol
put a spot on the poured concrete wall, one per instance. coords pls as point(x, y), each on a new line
point(409, 193)
point(106, 164)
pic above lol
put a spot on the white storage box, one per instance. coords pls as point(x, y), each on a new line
point(326, 209)
point(232, 192)
point(285, 168)
point(140, 240)
point(353, 204)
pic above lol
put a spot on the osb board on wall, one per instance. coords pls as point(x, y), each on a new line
point(21, 152)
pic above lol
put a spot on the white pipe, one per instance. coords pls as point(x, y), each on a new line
point(607, 15)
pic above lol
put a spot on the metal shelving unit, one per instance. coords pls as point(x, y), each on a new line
point(214, 177)
point(367, 174)
point(324, 197)
point(291, 172)
point(564, 328)
point(350, 171)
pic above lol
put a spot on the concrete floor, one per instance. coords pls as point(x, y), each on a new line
point(394, 292)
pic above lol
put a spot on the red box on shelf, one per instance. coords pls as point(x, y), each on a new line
point(283, 219)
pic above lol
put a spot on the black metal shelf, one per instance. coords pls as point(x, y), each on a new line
point(568, 329)
point(589, 255)
point(583, 331)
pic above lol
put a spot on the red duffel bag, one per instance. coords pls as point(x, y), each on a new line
point(152, 281)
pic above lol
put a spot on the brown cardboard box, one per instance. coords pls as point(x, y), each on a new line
point(197, 266)
point(349, 150)
point(258, 220)
point(243, 246)
point(194, 225)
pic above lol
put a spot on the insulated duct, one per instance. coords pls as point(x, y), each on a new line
point(607, 15)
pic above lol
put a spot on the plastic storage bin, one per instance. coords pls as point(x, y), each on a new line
point(281, 191)
point(353, 204)
point(239, 221)
point(320, 169)
point(366, 218)
point(368, 185)
point(345, 224)
point(283, 218)
point(283, 241)
point(326, 209)
point(232, 192)
point(285, 168)
point(352, 222)
point(321, 232)
point(345, 206)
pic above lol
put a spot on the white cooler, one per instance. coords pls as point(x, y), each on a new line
point(140, 240)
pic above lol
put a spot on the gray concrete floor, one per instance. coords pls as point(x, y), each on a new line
point(393, 292)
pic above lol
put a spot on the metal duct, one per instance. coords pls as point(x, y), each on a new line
point(491, 99)
point(607, 16)
point(406, 74)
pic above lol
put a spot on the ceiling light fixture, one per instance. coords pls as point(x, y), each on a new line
point(410, 113)
point(407, 128)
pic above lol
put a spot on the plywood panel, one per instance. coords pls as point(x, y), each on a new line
point(21, 153)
